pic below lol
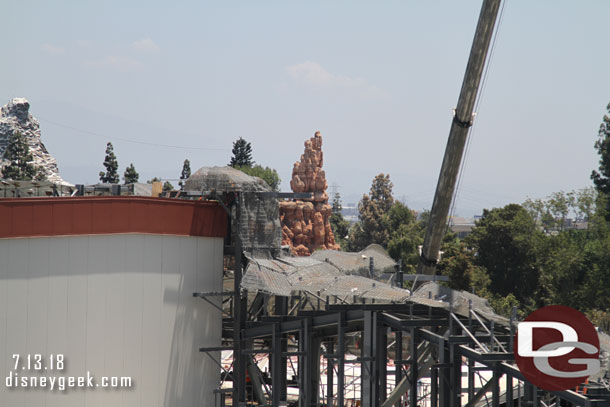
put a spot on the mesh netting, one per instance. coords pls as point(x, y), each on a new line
point(259, 219)
point(431, 292)
point(358, 263)
point(291, 275)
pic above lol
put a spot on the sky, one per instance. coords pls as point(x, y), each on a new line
point(165, 81)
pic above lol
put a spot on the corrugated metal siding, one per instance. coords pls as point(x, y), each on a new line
point(114, 305)
point(28, 217)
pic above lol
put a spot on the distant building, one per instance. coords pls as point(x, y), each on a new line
point(350, 212)
point(461, 226)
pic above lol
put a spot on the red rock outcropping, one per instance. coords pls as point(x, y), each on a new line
point(305, 224)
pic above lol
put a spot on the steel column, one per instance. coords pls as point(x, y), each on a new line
point(367, 371)
point(433, 387)
point(341, 361)
point(495, 388)
point(413, 369)
point(381, 361)
point(329, 373)
point(398, 356)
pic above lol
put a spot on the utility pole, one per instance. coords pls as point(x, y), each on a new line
point(462, 120)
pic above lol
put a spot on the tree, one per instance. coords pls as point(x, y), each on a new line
point(458, 262)
point(242, 154)
point(154, 179)
point(372, 208)
point(111, 176)
point(339, 225)
point(504, 240)
point(404, 243)
point(20, 159)
point(186, 172)
point(167, 186)
point(130, 175)
point(269, 175)
point(601, 179)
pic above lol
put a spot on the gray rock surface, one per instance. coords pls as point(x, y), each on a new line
point(15, 117)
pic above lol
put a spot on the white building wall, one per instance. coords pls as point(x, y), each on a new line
point(114, 305)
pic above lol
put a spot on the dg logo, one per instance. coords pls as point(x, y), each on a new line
point(556, 348)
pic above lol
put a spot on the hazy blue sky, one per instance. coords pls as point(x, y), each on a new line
point(377, 78)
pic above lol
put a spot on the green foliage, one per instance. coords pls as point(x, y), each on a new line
point(600, 318)
point(536, 260)
point(339, 225)
point(186, 172)
point(399, 214)
point(111, 175)
point(601, 179)
point(18, 154)
point(242, 154)
point(269, 175)
point(167, 186)
point(373, 226)
point(505, 240)
point(40, 175)
point(154, 179)
point(504, 305)
point(404, 242)
point(458, 262)
point(131, 175)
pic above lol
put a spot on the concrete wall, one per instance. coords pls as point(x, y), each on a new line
point(114, 305)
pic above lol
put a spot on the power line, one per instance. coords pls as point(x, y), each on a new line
point(92, 133)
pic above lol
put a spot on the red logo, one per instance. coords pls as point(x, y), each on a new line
point(556, 348)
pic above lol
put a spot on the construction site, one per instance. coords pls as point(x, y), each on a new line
point(228, 293)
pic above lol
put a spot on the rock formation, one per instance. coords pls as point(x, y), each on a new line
point(15, 117)
point(305, 224)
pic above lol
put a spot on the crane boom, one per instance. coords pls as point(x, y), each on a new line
point(462, 120)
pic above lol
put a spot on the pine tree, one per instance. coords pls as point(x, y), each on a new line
point(242, 154)
point(337, 207)
point(186, 172)
point(339, 225)
point(130, 175)
point(20, 159)
point(373, 208)
point(111, 176)
point(601, 179)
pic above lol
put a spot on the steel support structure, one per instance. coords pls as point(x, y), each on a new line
point(440, 342)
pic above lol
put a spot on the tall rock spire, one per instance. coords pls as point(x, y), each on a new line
point(305, 223)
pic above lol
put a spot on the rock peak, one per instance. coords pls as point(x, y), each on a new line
point(15, 117)
point(17, 107)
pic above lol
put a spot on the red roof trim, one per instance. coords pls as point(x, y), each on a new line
point(30, 217)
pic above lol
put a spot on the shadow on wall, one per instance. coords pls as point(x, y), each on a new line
point(197, 324)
